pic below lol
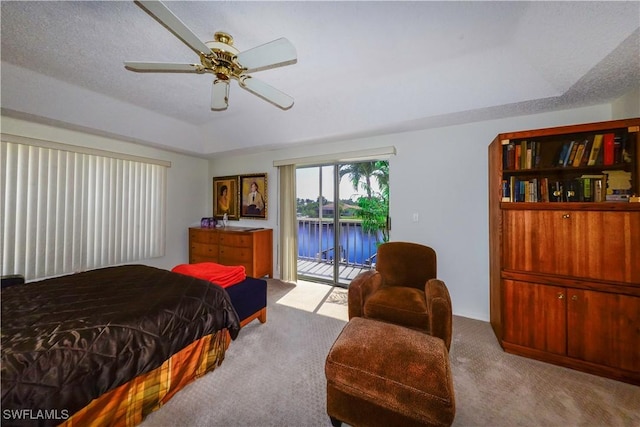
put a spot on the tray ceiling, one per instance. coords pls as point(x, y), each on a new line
point(364, 68)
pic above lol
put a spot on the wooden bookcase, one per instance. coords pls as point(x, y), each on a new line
point(565, 262)
point(250, 247)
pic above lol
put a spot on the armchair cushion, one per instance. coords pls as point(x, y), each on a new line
point(406, 264)
point(400, 305)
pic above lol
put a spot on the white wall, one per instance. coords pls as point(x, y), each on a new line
point(186, 182)
point(627, 106)
point(441, 174)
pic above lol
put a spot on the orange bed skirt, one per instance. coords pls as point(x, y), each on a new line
point(130, 403)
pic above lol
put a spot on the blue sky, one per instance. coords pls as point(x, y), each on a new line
point(307, 184)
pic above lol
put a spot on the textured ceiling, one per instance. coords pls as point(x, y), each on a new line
point(364, 68)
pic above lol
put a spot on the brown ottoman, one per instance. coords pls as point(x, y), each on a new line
point(380, 374)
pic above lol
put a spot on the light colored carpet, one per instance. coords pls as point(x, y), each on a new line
point(273, 375)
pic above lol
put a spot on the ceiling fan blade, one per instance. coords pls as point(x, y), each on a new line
point(220, 95)
point(163, 67)
point(171, 21)
point(276, 53)
point(266, 92)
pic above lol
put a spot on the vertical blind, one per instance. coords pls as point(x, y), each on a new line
point(65, 211)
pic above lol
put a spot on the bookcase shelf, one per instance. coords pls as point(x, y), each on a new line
point(565, 271)
point(571, 165)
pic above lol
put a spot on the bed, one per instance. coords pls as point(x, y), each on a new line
point(108, 346)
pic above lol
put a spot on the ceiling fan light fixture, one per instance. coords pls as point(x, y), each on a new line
point(220, 95)
point(220, 58)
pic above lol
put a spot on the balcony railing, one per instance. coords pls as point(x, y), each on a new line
point(317, 251)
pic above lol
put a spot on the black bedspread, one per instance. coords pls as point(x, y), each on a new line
point(67, 340)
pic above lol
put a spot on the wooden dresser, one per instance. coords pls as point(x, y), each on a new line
point(247, 246)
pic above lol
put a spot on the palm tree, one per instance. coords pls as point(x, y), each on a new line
point(375, 209)
point(359, 172)
point(360, 175)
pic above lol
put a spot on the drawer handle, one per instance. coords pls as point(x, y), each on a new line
point(566, 216)
point(560, 295)
point(574, 298)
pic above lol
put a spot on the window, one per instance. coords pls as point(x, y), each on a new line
point(66, 209)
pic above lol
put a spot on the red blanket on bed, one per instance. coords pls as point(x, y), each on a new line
point(223, 275)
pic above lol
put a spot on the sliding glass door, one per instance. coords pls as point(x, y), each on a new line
point(342, 212)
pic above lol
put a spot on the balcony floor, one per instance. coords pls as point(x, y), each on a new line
point(324, 271)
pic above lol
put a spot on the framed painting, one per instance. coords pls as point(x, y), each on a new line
point(253, 196)
point(225, 197)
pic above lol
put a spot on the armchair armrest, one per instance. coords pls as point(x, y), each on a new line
point(363, 285)
point(440, 312)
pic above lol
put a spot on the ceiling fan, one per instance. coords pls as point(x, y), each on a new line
point(223, 60)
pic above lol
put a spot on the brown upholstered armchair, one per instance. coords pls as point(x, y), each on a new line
point(404, 290)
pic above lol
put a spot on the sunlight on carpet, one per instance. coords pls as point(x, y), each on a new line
point(317, 298)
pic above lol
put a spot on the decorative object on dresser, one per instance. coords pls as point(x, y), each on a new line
point(225, 197)
point(253, 196)
point(247, 246)
point(564, 259)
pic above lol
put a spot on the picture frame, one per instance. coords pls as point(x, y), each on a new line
point(253, 204)
point(226, 203)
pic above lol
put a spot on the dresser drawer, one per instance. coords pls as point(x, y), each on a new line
point(236, 240)
point(235, 255)
point(203, 249)
point(203, 236)
point(196, 259)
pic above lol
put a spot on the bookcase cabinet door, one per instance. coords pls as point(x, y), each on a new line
point(535, 316)
point(598, 244)
point(604, 328)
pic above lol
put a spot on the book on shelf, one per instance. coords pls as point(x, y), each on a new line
point(571, 153)
point(594, 186)
point(519, 155)
point(595, 150)
point(586, 188)
point(562, 153)
point(608, 145)
point(508, 156)
point(577, 160)
point(617, 197)
point(512, 189)
point(523, 154)
point(586, 195)
point(506, 192)
point(620, 153)
point(544, 189)
point(598, 190)
point(588, 143)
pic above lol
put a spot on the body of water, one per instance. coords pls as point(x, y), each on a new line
point(356, 246)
